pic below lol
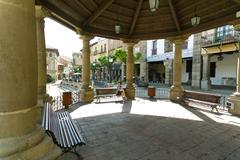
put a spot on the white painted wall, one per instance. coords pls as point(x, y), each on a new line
point(160, 46)
point(225, 68)
point(184, 73)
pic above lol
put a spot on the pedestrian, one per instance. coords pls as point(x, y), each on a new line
point(119, 89)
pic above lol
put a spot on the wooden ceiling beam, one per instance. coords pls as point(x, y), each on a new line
point(57, 12)
point(79, 3)
point(174, 15)
point(139, 6)
point(98, 12)
point(237, 1)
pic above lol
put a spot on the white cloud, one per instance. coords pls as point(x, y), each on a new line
point(62, 38)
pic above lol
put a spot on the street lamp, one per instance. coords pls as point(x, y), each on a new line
point(110, 60)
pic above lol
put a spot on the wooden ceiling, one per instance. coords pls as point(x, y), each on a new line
point(173, 17)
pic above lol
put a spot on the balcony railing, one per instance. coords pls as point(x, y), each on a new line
point(218, 38)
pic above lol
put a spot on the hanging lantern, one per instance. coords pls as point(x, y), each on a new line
point(117, 28)
point(153, 5)
point(195, 20)
point(238, 14)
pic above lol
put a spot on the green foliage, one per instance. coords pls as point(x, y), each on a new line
point(121, 55)
point(137, 56)
point(78, 69)
point(95, 66)
point(105, 60)
point(49, 79)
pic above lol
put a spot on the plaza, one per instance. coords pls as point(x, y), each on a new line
point(137, 127)
point(155, 130)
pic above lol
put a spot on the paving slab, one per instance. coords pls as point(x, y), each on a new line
point(155, 130)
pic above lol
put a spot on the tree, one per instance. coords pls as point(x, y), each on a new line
point(94, 66)
point(137, 56)
point(122, 56)
point(107, 61)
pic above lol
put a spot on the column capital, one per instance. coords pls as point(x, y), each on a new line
point(84, 35)
point(179, 39)
point(130, 42)
point(41, 12)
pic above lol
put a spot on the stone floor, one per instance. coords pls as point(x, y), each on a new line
point(155, 130)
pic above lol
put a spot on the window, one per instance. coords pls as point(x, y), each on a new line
point(185, 45)
point(95, 52)
point(168, 46)
point(101, 49)
point(50, 54)
point(105, 47)
point(154, 44)
point(136, 49)
point(154, 47)
point(212, 69)
point(223, 31)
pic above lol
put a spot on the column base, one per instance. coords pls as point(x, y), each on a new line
point(86, 95)
point(40, 107)
point(130, 92)
point(36, 145)
point(235, 100)
point(176, 93)
point(205, 84)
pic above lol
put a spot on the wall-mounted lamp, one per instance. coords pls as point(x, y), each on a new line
point(220, 57)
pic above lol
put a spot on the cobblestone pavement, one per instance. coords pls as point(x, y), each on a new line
point(155, 130)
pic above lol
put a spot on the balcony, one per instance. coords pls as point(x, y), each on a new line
point(219, 38)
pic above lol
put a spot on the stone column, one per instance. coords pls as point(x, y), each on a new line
point(206, 82)
point(40, 13)
point(86, 94)
point(177, 89)
point(20, 136)
point(196, 61)
point(130, 90)
point(235, 97)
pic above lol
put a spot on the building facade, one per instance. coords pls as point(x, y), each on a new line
point(77, 59)
point(219, 52)
point(107, 47)
point(160, 57)
point(52, 67)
